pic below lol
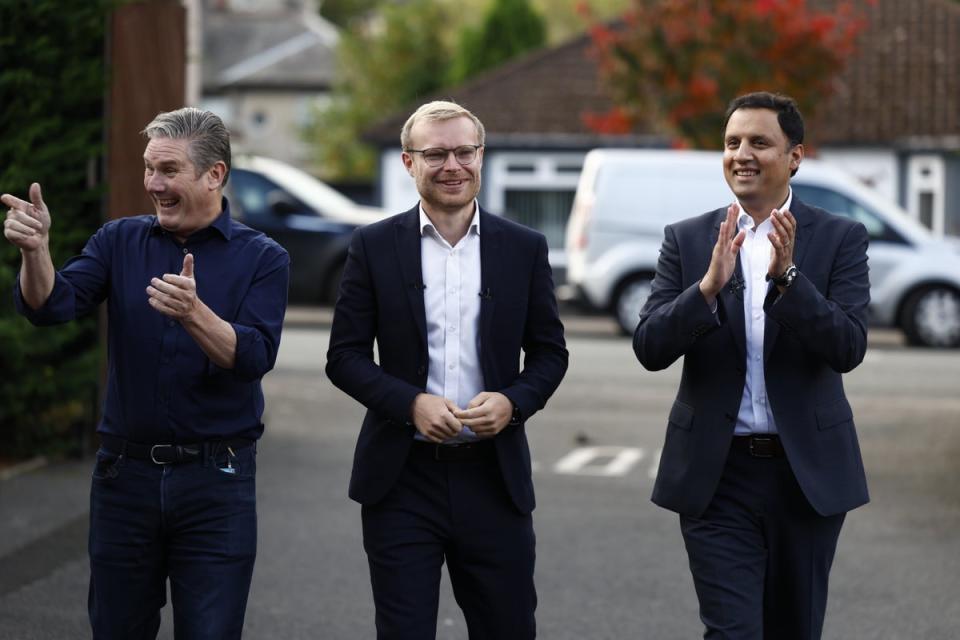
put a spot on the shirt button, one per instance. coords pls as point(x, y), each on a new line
point(452, 329)
point(186, 251)
point(452, 367)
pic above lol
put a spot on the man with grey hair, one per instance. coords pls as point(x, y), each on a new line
point(195, 304)
point(451, 295)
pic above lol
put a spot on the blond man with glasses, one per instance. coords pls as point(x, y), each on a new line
point(452, 295)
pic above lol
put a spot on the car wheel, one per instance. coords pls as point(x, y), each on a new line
point(931, 317)
point(630, 298)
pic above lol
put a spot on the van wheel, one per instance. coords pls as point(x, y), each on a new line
point(630, 298)
point(931, 317)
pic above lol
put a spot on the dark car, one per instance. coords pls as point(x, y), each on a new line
point(311, 220)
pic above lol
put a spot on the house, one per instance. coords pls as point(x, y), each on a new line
point(894, 122)
point(264, 65)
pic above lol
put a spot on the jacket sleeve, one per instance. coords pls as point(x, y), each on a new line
point(545, 356)
point(833, 326)
point(675, 317)
point(350, 363)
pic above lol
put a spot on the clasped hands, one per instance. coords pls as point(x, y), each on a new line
point(440, 419)
point(723, 261)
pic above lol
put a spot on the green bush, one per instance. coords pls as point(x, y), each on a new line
point(52, 83)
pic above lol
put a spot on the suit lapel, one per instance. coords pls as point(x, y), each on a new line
point(490, 265)
point(408, 256)
point(731, 297)
point(801, 242)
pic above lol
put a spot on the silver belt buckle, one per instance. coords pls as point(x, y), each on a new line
point(153, 458)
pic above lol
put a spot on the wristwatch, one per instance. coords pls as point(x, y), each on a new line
point(787, 278)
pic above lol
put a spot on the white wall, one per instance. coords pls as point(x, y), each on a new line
point(877, 168)
point(399, 189)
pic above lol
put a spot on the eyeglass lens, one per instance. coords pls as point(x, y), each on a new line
point(436, 157)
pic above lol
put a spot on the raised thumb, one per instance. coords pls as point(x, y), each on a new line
point(187, 271)
point(36, 196)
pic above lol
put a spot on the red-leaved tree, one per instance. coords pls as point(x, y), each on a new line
point(672, 65)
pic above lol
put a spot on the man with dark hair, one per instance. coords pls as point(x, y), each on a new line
point(195, 304)
point(451, 295)
point(766, 302)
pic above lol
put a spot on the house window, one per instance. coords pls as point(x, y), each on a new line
point(545, 211)
point(534, 189)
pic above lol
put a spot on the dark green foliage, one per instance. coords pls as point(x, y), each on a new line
point(509, 28)
point(51, 130)
point(381, 69)
point(343, 12)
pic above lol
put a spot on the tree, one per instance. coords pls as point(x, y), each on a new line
point(343, 12)
point(674, 64)
point(510, 27)
point(383, 66)
point(51, 87)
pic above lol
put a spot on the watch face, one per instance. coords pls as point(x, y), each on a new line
point(789, 276)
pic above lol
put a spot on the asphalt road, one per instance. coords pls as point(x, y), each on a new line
point(610, 564)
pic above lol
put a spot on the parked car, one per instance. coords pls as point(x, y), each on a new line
point(625, 197)
point(310, 219)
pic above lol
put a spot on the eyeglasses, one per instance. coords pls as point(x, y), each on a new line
point(435, 157)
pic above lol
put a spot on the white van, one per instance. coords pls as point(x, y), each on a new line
point(625, 197)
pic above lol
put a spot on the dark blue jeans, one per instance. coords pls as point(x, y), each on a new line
point(194, 523)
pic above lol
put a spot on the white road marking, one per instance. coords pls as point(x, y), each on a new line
point(654, 464)
point(616, 461)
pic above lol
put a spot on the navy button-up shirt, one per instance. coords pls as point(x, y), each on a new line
point(161, 387)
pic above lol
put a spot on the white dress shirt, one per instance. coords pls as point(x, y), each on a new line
point(451, 298)
point(755, 415)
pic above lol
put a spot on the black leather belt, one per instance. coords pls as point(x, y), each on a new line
point(457, 452)
point(169, 453)
point(760, 446)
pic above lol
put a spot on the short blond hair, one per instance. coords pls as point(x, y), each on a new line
point(439, 111)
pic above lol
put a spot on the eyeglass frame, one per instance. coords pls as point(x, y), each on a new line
point(422, 152)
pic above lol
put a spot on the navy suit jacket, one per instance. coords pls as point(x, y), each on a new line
point(814, 332)
point(381, 298)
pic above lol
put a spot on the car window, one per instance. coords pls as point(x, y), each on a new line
point(252, 192)
point(841, 205)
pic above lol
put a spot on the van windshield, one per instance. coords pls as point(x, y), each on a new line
point(841, 205)
point(635, 194)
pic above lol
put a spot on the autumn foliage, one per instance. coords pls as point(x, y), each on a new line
point(673, 65)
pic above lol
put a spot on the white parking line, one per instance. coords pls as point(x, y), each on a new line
point(611, 461)
point(654, 464)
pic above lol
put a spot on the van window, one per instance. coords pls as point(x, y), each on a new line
point(654, 195)
point(841, 205)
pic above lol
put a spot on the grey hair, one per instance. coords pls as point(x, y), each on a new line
point(208, 137)
point(438, 111)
